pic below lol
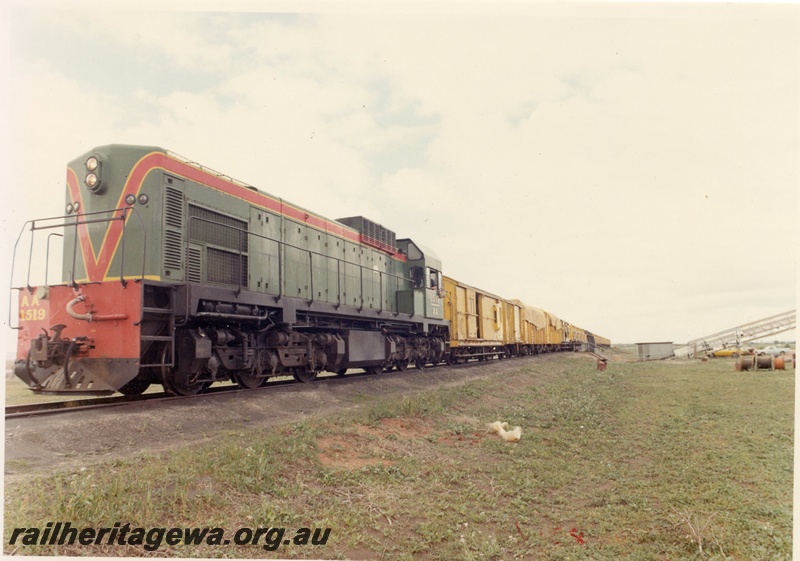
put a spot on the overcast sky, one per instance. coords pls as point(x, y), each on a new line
point(631, 168)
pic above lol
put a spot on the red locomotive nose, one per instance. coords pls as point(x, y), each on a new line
point(68, 344)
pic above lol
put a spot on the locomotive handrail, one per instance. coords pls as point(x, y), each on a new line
point(144, 244)
point(11, 279)
point(66, 221)
point(207, 169)
point(281, 250)
point(47, 257)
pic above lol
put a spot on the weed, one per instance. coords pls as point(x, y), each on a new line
point(698, 526)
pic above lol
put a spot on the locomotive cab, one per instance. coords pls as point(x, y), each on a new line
point(425, 271)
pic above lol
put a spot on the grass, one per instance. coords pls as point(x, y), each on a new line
point(642, 461)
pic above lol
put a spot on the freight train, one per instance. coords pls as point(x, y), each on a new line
point(174, 274)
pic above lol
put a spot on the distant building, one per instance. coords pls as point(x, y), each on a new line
point(654, 351)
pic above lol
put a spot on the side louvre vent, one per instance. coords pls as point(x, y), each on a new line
point(172, 250)
point(194, 265)
point(173, 208)
point(174, 243)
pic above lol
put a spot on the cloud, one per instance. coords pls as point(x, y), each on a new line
point(183, 39)
point(624, 172)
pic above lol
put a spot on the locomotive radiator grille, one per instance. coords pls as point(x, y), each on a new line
point(225, 247)
point(217, 229)
point(372, 233)
point(225, 267)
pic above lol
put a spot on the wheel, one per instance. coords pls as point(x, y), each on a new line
point(304, 375)
point(419, 364)
point(134, 387)
point(373, 369)
point(341, 372)
point(401, 365)
point(249, 382)
point(172, 386)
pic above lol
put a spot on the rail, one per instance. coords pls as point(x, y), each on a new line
point(75, 405)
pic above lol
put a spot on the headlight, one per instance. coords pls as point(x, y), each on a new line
point(94, 173)
point(76, 206)
point(130, 199)
point(143, 199)
point(69, 208)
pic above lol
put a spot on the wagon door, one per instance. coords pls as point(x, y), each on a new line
point(472, 313)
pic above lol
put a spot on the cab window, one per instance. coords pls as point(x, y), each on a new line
point(433, 278)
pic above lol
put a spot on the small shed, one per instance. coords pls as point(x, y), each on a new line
point(655, 351)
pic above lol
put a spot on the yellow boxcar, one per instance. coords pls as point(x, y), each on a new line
point(576, 337)
point(512, 313)
point(490, 311)
point(529, 321)
point(543, 330)
point(533, 327)
point(477, 321)
point(555, 333)
point(602, 341)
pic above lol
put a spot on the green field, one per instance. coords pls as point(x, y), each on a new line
point(642, 461)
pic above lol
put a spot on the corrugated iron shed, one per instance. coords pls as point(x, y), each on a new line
point(655, 351)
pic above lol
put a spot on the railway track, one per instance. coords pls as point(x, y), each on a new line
point(74, 405)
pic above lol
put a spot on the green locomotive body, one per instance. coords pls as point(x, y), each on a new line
point(211, 279)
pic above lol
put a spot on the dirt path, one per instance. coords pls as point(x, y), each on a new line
point(45, 444)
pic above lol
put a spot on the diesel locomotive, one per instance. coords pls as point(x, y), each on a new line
point(174, 274)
